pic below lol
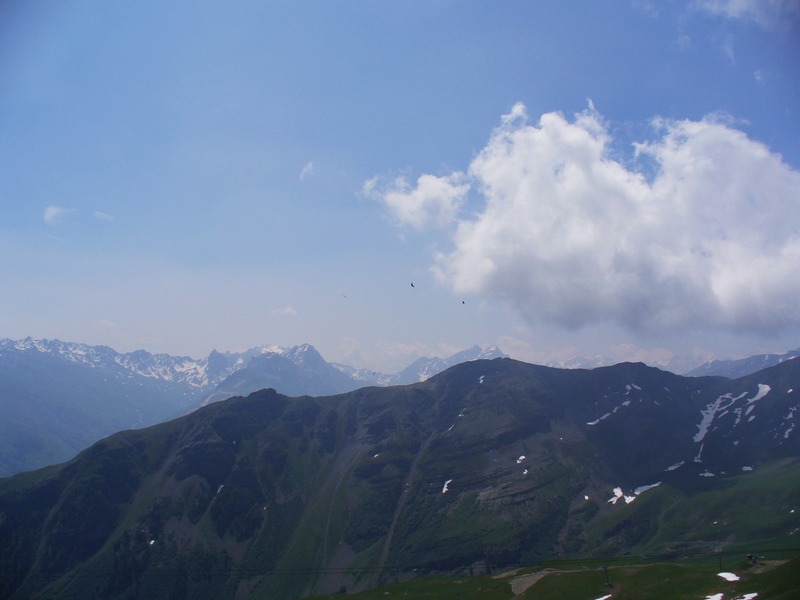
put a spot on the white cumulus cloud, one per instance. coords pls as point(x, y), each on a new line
point(705, 232)
point(433, 200)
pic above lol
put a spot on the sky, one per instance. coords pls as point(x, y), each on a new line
point(560, 179)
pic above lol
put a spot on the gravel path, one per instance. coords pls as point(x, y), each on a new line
point(522, 583)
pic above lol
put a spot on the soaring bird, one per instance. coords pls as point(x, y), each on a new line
point(412, 284)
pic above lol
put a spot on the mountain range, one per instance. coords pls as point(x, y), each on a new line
point(742, 366)
point(58, 397)
point(485, 466)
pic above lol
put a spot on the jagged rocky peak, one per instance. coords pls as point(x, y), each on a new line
point(217, 365)
point(305, 355)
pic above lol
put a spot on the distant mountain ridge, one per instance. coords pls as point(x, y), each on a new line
point(208, 372)
point(177, 369)
point(296, 371)
point(679, 364)
point(58, 397)
point(424, 368)
point(743, 366)
point(301, 370)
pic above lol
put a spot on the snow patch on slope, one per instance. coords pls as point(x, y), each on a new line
point(720, 406)
point(618, 493)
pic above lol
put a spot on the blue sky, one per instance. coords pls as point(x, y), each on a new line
point(558, 178)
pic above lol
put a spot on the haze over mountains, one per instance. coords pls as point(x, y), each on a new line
point(488, 464)
point(58, 397)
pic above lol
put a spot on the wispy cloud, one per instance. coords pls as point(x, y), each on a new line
point(769, 14)
point(52, 214)
point(682, 43)
point(728, 50)
point(102, 216)
point(105, 324)
point(287, 311)
point(307, 170)
point(648, 7)
point(710, 237)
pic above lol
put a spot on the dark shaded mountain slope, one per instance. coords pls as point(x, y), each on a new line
point(488, 463)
